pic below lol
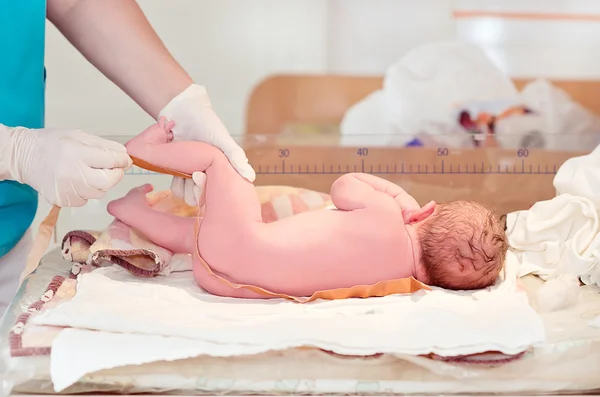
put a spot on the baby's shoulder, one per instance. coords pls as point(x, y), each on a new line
point(383, 215)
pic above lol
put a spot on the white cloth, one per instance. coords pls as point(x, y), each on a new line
point(120, 320)
point(560, 236)
point(423, 92)
point(428, 85)
point(365, 123)
point(564, 123)
point(426, 89)
point(557, 237)
point(11, 266)
point(580, 176)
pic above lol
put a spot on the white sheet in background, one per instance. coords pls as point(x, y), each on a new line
point(175, 320)
point(424, 88)
point(423, 91)
point(365, 123)
point(566, 124)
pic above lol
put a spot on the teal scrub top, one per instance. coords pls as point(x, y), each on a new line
point(22, 89)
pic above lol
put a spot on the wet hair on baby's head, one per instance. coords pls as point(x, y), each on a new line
point(463, 246)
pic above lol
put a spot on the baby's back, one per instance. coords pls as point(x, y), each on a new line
point(312, 251)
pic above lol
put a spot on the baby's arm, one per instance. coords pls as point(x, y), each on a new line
point(357, 190)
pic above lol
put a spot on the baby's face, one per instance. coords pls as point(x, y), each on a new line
point(463, 246)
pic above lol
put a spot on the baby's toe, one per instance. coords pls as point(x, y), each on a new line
point(140, 191)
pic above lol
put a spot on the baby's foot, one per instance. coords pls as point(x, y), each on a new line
point(134, 199)
point(156, 134)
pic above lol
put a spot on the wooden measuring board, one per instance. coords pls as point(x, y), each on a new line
point(505, 179)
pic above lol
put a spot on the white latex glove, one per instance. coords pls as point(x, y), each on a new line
point(196, 120)
point(199, 182)
point(67, 168)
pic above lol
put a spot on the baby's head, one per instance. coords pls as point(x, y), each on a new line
point(463, 246)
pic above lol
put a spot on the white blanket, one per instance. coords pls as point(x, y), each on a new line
point(561, 236)
point(558, 237)
point(580, 176)
point(119, 320)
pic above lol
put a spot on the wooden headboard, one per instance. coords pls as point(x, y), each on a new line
point(282, 99)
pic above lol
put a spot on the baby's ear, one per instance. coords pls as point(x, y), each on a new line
point(422, 213)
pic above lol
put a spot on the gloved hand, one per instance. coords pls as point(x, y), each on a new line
point(199, 182)
point(196, 120)
point(66, 167)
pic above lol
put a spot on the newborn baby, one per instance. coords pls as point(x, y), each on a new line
point(378, 232)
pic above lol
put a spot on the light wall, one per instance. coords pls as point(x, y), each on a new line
point(566, 46)
point(365, 37)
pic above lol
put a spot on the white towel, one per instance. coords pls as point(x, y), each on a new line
point(561, 236)
point(557, 237)
point(580, 176)
point(168, 311)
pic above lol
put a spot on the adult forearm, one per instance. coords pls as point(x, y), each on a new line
point(116, 37)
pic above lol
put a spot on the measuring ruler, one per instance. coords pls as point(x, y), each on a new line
point(318, 160)
point(406, 161)
point(406, 169)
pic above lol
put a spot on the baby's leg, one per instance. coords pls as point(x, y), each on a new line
point(228, 195)
point(172, 232)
